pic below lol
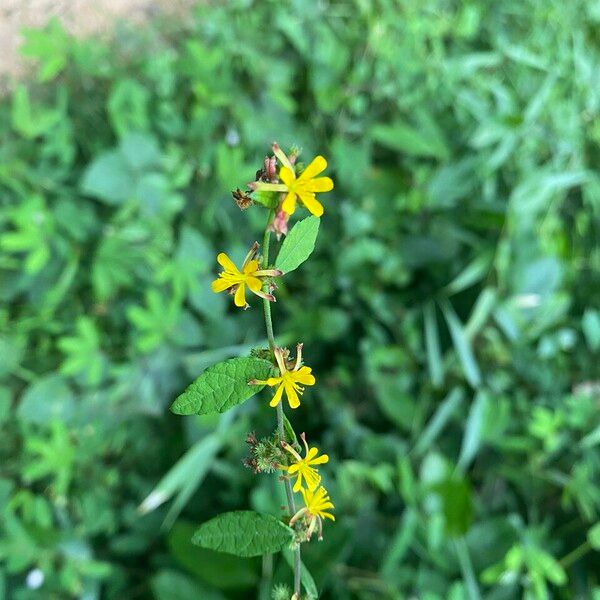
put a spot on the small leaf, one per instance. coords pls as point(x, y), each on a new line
point(461, 344)
point(471, 274)
point(222, 386)
point(457, 504)
point(432, 343)
point(298, 245)
point(439, 420)
point(473, 430)
point(593, 536)
point(47, 399)
point(290, 434)
point(108, 178)
point(244, 533)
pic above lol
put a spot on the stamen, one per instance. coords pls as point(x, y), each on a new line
point(298, 356)
point(303, 438)
point(279, 358)
point(251, 253)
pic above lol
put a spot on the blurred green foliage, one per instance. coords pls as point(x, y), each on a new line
point(450, 310)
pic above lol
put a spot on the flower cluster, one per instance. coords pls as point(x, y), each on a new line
point(289, 380)
point(251, 275)
point(282, 185)
point(315, 496)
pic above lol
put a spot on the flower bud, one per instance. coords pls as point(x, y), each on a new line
point(279, 225)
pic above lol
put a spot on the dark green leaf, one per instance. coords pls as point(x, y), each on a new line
point(244, 533)
point(222, 386)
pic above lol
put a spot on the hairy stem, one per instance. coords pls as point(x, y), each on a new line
point(271, 337)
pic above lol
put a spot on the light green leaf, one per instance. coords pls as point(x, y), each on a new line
point(298, 245)
point(222, 386)
point(108, 178)
point(481, 312)
point(471, 274)
point(473, 430)
point(29, 120)
point(424, 139)
point(439, 420)
point(47, 399)
point(593, 536)
point(244, 533)
point(461, 344)
point(432, 343)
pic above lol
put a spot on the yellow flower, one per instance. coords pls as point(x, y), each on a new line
point(314, 511)
point(236, 281)
point(302, 467)
point(288, 381)
point(304, 187)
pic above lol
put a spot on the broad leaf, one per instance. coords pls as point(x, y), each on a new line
point(222, 386)
point(244, 533)
point(108, 178)
point(298, 245)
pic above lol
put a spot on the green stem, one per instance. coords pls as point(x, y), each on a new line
point(271, 338)
point(466, 566)
point(576, 554)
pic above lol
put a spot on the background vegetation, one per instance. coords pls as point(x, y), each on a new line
point(450, 310)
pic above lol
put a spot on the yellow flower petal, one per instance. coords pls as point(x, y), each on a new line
point(240, 296)
point(220, 285)
point(287, 176)
point(320, 184)
point(277, 397)
point(311, 454)
point(250, 267)
point(317, 165)
point(292, 395)
point(289, 203)
point(320, 460)
point(311, 203)
point(254, 283)
point(312, 478)
point(304, 376)
point(226, 263)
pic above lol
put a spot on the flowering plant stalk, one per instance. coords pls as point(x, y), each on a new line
point(281, 186)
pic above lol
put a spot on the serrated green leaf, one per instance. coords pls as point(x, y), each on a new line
point(222, 386)
point(298, 245)
point(244, 533)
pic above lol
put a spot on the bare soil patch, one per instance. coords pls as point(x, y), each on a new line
point(80, 17)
